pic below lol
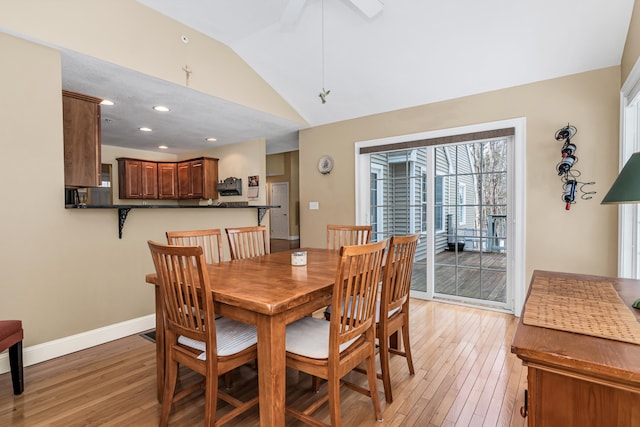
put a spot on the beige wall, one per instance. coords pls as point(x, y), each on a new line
point(580, 240)
point(64, 270)
point(632, 46)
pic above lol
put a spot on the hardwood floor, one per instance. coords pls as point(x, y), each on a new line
point(278, 245)
point(465, 376)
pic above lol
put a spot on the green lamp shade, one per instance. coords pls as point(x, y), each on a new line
point(626, 188)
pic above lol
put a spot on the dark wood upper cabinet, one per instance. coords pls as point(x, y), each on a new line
point(81, 126)
point(189, 179)
point(137, 179)
point(167, 181)
point(197, 178)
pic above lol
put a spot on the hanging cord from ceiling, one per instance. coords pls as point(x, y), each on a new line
point(324, 93)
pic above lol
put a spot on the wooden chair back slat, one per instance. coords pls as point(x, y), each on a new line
point(209, 240)
point(347, 235)
point(248, 242)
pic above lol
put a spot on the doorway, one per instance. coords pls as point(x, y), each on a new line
point(279, 196)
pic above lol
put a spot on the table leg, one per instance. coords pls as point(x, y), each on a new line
point(159, 345)
point(271, 369)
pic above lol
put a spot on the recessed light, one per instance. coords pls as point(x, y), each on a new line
point(162, 147)
point(211, 139)
point(161, 108)
point(145, 129)
point(107, 102)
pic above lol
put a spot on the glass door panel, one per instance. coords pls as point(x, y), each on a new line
point(463, 220)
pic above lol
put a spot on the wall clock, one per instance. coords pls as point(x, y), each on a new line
point(325, 164)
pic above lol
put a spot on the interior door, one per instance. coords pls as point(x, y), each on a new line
point(279, 219)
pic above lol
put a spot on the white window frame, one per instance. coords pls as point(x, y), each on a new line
point(379, 171)
point(628, 215)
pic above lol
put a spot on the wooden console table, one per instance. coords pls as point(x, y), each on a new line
point(576, 379)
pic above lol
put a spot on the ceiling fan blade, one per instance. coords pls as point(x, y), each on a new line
point(369, 7)
point(292, 13)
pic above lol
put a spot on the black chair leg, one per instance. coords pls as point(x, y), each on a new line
point(15, 360)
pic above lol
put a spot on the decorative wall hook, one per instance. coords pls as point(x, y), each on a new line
point(565, 168)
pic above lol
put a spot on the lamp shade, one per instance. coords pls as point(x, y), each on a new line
point(626, 188)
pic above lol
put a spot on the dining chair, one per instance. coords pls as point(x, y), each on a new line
point(393, 310)
point(209, 240)
point(208, 346)
point(330, 350)
point(211, 243)
point(11, 335)
point(346, 235)
point(248, 242)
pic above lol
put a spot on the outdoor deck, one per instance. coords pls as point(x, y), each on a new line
point(480, 275)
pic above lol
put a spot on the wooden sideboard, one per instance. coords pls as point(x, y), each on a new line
point(580, 380)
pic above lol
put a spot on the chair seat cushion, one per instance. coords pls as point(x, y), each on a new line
point(389, 314)
point(231, 336)
point(309, 337)
point(10, 333)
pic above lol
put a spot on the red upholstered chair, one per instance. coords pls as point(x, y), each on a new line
point(11, 335)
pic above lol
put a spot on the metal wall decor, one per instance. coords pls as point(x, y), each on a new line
point(566, 168)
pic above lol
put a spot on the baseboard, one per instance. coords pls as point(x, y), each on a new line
point(60, 347)
point(294, 237)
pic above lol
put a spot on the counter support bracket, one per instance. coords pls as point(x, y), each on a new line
point(261, 213)
point(122, 217)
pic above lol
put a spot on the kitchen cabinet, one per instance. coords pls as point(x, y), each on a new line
point(197, 178)
point(137, 179)
point(189, 179)
point(81, 127)
point(578, 380)
point(167, 181)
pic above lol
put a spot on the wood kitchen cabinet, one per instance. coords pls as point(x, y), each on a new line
point(167, 181)
point(81, 126)
point(197, 178)
point(577, 380)
point(189, 179)
point(137, 179)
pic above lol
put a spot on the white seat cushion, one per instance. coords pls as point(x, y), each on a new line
point(309, 337)
point(231, 336)
point(389, 314)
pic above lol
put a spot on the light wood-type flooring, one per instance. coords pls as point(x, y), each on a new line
point(465, 376)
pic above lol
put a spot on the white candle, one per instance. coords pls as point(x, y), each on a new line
point(299, 258)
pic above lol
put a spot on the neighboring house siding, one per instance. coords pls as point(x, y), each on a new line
point(442, 169)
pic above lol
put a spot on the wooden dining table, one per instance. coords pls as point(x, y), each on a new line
point(266, 291)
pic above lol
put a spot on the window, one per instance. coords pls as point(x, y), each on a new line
point(628, 214)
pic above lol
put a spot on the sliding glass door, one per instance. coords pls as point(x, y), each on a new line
point(456, 197)
point(473, 203)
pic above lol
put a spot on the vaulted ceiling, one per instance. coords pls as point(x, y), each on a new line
point(413, 52)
